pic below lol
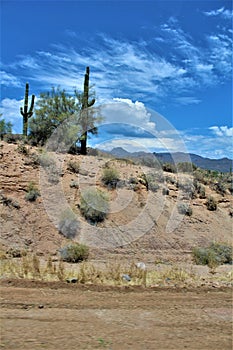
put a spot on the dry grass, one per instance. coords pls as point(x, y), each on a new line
point(32, 267)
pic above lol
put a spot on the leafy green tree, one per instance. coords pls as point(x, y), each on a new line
point(57, 108)
point(5, 127)
point(53, 108)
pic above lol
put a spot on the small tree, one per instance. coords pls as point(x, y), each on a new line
point(5, 127)
point(54, 108)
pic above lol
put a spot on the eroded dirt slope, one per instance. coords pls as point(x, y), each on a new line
point(147, 221)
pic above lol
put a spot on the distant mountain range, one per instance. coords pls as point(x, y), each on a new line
point(222, 165)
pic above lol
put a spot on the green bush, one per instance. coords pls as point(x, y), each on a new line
point(74, 252)
point(32, 193)
point(214, 255)
point(211, 204)
point(94, 205)
point(110, 177)
point(184, 209)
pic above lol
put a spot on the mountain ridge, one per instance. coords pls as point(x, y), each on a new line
point(222, 165)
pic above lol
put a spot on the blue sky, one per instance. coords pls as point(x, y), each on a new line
point(171, 57)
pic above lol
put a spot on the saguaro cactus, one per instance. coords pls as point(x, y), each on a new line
point(85, 104)
point(24, 110)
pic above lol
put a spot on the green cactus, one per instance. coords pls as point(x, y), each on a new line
point(24, 110)
point(85, 104)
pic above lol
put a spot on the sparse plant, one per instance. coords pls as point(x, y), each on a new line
point(211, 204)
point(32, 193)
point(16, 252)
point(74, 252)
point(184, 209)
point(220, 188)
point(165, 191)
point(186, 167)
point(94, 205)
point(46, 160)
point(22, 148)
point(187, 188)
point(110, 177)
point(169, 167)
point(73, 166)
point(200, 189)
point(68, 225)
point(214, 255)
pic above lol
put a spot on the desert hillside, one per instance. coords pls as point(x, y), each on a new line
point(144, 218)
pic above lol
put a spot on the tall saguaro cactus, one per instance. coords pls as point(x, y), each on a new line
point(27, 113)
point(85, 104)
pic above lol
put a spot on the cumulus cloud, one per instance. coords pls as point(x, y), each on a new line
point(130, 125)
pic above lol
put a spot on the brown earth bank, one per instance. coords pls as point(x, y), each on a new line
point(141, 223)
point(57, 315)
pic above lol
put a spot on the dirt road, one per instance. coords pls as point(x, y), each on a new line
point(53, 316)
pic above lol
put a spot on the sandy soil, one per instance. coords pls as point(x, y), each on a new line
point(56, 315)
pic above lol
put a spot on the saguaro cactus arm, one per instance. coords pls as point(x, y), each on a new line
point(24, 110)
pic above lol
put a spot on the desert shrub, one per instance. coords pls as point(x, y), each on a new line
point(200, 189)
point(32, 193)
point(186, 167)
point(94, 205)
point(211, 204)
point(16, 252)
point(187, 188)
point(133, 180)
point(46, 160)
point(68, 225)
point(110, 177)
point(214, 255)
point(220, 188)
point(73, 166)
point(165, 191)
point(170, 180)
point(169, 167)
point(74, 184)
point(93, 152)
point(184, 209)
point(22, 148)
point(74, 252)
point(53, 172)
point(150, 181)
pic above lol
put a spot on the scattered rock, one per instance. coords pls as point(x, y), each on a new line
point(126, 278)
point(72, 280)
point(141, 265)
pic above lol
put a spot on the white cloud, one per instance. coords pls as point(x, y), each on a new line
point(223, 131)
point(187, 100)
point(8, 79)
point(10, 109)
point(163, 137)
point(222, 12)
